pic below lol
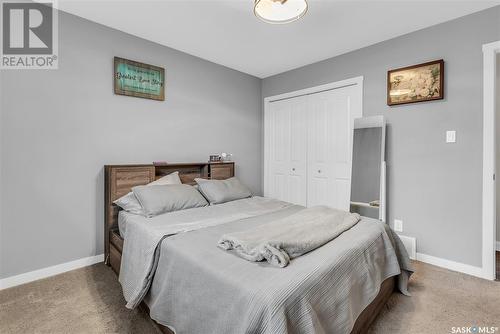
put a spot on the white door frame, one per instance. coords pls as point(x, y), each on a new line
point(357, 81)
point(490, 52)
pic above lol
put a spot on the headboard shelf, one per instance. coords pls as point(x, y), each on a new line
point(187, 171)
point(120, 179)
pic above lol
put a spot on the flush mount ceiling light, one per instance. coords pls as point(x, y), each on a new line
point(280, 11)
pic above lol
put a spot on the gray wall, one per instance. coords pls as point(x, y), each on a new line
point(497, 120)
point(58, 129)
point(434, 187)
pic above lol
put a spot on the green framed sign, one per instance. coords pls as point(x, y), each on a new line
point(138, 79)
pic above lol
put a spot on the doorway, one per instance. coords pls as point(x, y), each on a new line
point(497, 163)
point(490, 117)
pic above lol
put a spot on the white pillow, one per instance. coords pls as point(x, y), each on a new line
point(172, 178)
point(130, 203)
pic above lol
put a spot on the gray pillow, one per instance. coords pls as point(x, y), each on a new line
point(159, 199)
point(221, 191)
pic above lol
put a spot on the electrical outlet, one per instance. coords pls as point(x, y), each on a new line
point(398, 225)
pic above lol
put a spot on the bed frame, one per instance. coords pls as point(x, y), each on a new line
point(120, 179)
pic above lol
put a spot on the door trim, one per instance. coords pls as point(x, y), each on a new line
point(356, 81)
point(490, 52)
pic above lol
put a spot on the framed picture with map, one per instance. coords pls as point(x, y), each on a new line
point(132, 78)
point(417, 83)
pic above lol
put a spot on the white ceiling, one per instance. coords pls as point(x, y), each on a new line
point(226, 32)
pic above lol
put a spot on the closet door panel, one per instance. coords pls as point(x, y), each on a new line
point(288, 150)
point(298, 151)
point(279, 153)
point(317, 192)
point(280, 187)
point(343, 142)
point(343, 189)
point(317, 180)
point(319, 188)
point(342, 132)
point(295, 194)
point(329, 147)
point(350, 107)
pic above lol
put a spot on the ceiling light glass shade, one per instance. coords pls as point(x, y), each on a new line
point(280, 11)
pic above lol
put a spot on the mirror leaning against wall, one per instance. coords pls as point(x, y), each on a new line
point(368, 186)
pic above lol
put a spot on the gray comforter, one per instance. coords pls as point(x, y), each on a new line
point(142, 237)
point(199, 288)
point(284, 239)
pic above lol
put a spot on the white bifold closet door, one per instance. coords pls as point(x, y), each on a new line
point(288, 138)
point(310, 147)
point(329, 150)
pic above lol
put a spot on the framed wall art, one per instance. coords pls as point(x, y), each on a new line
point(417, 83)
point(132, 78)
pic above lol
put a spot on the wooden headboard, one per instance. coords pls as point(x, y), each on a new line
point(120, 179)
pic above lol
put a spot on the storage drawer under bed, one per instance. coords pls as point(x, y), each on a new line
point(115, 250)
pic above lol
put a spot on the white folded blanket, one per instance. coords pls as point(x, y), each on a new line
point(280, 241)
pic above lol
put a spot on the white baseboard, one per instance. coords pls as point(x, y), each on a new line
point(49, 271)
point(498, 246)
point(451, 265)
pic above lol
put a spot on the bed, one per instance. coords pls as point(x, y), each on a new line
point(188, 285)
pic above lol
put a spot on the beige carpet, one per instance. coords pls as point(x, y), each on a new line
point(89, 301)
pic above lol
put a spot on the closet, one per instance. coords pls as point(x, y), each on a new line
point(308, 146)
